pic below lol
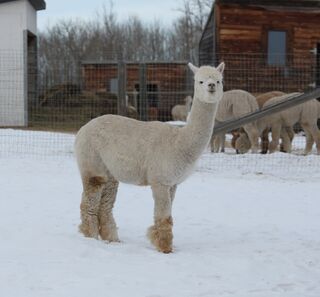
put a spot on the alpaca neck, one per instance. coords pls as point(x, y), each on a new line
point(195, 136)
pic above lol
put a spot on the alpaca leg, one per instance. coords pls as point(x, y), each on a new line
point(253, 135)
point(313, 135)
point(212, 143)
point(223, 142)
point(108, 227)
point(215, 144)
point(316, 136)
point(265, 141)
point(285, 140)
point(173, 190)
point(309, 139)
point(290, 133)
point(160, 234)
point(91, 196)
point(275, 132)
point(309, 143)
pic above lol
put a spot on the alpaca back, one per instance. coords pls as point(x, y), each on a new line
point(236, 103)
point(180, 112)
point(288, 117)
point(310, 112)
point(263, 98)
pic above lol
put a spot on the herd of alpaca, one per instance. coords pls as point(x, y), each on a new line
point(237, 103)
point(159, 155)
point(281, 125)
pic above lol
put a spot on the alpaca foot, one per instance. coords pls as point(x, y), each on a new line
point(161, 235)
point(89, 226)
point(89, 231)
point(109, 234)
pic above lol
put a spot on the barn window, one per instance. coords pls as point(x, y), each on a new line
point(277, 48)
point(113, 87)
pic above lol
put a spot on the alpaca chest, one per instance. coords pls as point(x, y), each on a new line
point(171, 172)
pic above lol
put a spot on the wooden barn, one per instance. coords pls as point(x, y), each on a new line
point(153, 87)
point(266, 44)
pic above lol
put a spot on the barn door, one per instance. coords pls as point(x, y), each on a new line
point(32, 67)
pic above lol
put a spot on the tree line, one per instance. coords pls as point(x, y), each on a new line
point(66, 44)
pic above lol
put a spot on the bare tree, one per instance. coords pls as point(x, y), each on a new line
point(64, 46)
point(188, 28)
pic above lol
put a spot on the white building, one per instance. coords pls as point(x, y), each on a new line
point(18, 58)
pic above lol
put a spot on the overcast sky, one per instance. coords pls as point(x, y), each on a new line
point(147, 10)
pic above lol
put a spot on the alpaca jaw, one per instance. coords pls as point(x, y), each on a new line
point(211, 97)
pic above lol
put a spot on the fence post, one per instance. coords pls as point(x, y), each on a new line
point(122, 83)
point(143, 104)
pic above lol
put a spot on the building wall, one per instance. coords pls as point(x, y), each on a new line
point(243, 28)
point(207, 43)
point(15, 18)
point(241, 40)
point(171, 79)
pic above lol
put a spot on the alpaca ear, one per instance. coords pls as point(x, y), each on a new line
point(220, 68)
point(193, 68)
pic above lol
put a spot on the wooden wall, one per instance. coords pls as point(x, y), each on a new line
point(172, 80)
point(241, 40)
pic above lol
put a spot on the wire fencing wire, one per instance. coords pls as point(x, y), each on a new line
point(46, 103)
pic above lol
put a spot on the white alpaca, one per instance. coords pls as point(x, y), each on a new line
point(241, 141)
point(306, 114)
point(235, 104)
point(112, 149)
point(180, 112)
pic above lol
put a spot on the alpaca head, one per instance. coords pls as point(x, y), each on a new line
point(242, 143)
point(208, 85)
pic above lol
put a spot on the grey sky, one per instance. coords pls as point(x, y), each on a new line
point(148, 10)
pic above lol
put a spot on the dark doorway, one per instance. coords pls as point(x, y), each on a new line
point(32, 68)
point(318, 66)
point(318, 73)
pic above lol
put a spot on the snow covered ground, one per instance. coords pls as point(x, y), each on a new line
point(239, 230)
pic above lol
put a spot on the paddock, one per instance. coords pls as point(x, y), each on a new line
point(250, 228)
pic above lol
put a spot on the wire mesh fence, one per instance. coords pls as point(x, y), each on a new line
point(47, 103)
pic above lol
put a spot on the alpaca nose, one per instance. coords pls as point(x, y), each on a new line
point(212, 87)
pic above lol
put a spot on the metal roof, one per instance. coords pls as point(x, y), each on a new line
point(37, 4)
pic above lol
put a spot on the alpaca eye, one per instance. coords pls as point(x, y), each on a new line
point(201, 82)
point(218, 82)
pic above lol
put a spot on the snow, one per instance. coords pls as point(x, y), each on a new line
point(239, 230)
